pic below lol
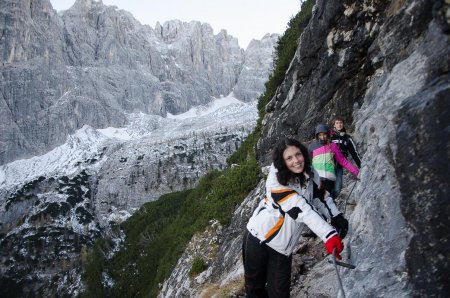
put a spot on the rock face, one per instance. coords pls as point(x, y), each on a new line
point(384, 67)
point(93, 64)
point(258, 61)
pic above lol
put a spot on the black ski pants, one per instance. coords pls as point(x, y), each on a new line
point(329, 186)
point(267, 272)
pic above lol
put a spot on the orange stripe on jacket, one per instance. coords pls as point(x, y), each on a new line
point(281, 190)
point(285, 198)
point(275, 228)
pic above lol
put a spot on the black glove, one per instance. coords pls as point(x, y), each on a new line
point(340, 224)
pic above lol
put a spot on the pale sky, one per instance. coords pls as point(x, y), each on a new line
point(243, 19)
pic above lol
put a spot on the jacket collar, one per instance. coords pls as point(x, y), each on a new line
point(341, 132)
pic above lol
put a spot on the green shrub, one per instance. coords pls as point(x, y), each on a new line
point(92, 276)
point(198, 266)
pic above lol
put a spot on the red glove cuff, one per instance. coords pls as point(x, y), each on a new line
point(335, 242)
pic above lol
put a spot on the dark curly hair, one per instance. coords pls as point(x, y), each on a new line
point(284, 174)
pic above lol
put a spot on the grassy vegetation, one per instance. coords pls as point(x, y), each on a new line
point(157, 234)
point(198, 265)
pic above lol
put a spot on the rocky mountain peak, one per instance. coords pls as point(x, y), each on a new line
point(22, 24)
point(87, 4)
point(170, 30)
point(96, 63)
point(258, 59)
point(174, 30)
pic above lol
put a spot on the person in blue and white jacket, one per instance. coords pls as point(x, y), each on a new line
point(292, 200)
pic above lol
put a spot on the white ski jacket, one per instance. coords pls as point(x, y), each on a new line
point(278, 220)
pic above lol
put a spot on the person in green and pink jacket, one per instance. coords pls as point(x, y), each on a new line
point(324, 157)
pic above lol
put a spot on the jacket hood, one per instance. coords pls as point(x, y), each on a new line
point(322, 128)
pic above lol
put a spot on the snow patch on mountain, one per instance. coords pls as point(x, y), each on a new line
point(87, 142)
point(63, 159)
point(204, 110)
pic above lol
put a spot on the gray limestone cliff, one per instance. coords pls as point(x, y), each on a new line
point(258, 60)
point(92, 64)
point(383, 66)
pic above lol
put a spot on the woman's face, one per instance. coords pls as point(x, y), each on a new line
point(294, 160)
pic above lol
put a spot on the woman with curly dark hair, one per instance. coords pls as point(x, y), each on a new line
point(284, 174)
point(292, 200)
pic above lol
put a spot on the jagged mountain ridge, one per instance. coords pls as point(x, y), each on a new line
point(94, 63)
point(384, 67)
point(255, 72)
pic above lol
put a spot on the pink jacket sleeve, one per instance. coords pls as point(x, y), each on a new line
point(340, 158)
